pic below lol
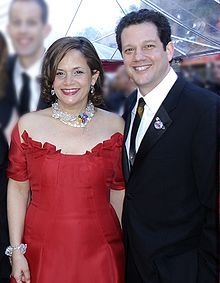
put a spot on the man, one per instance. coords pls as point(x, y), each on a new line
point(121, 86)
point(5, 267)
point(122, 82)
point(215, 74)
point(27, 28)
point(169, 161)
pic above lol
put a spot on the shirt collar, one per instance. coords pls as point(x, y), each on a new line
point(33, 71)
point(155, 97)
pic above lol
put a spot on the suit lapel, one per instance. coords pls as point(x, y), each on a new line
point(128, 109)
point(155, 130)
point(11, 92)
point(42, 104)
point(159, 125)
point(125, 164)
point(127, 116)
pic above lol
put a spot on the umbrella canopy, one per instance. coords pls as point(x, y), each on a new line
point(195, 23)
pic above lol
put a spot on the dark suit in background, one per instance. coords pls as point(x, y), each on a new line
point(170, 209)
point(8, 105)
point(114, 102)
point(10, 102)
point(4, 237)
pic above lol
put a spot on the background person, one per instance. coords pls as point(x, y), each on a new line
point(69, 157)
point(214, 85)
point(27, 27)
point(120, 87)
point(122, 82)
point(5, 268)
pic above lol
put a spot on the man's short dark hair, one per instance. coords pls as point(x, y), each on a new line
point(145, 16)
point(43, 5)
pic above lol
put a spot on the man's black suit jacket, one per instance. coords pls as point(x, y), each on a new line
point(4, 237)
point(7, 105)
point(10, 101)
point(170, 215)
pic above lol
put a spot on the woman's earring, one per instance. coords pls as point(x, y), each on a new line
point(53, 92)
point(92, 89)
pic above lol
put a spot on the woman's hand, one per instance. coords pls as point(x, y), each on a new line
point(20, 269)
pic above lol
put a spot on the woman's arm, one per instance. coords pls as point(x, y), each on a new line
point(18, 196)
point(117, 192)
point(116, 200)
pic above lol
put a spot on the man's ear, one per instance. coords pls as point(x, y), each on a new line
point(47, 30)
point(170, 50)
point(8, 29)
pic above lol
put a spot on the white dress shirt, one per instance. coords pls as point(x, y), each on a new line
point(153, 101)
point(33, 72)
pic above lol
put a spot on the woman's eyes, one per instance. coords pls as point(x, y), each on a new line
point(75, 73)
point(60, 73)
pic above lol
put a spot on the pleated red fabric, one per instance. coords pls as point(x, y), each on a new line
point(71, 229)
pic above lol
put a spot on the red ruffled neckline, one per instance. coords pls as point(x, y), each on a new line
point(28, 143)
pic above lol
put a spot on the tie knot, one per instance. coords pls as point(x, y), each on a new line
point(141, 102)
point(140, 108)
point(25, 78)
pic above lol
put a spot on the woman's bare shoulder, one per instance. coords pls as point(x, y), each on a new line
point(33, 120)
point(111, 120)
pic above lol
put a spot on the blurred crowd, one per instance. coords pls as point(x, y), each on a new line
point(214, 83)
point(118, 86)
point(20, 91)
point(116, 89)
point(205, 75)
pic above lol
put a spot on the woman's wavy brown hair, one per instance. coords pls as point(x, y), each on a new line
point(56, 53)
point(3, 65)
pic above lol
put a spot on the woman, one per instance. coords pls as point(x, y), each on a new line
point(65, 177)
point(4, 239)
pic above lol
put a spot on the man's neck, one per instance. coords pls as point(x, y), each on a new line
point(28, 61)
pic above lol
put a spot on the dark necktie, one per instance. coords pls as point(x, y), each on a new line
point(24, 95)
point(136, 123)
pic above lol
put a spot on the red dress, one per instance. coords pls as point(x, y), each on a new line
point(71, 229)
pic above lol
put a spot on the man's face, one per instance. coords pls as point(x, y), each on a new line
point(145, 59)
point(26, 28)
point(121, 79)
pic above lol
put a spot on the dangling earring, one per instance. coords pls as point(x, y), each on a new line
point(53, 92)
point(92, 89)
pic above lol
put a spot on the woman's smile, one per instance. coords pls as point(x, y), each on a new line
point(70, 91)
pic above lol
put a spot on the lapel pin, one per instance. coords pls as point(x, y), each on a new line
point(158, 124)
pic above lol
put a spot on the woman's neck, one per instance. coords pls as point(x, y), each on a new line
point(73, 109)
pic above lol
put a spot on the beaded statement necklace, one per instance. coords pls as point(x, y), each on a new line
point(76, 121)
